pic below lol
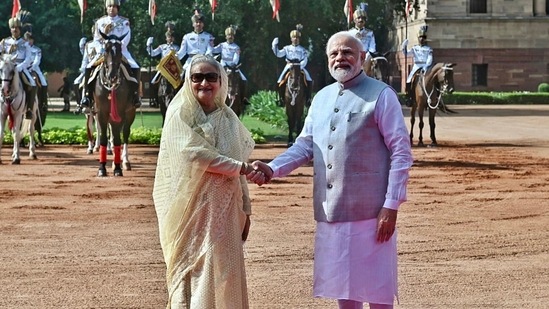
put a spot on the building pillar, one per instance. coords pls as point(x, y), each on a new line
point(539, 7)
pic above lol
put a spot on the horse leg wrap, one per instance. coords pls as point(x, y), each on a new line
point(102, 154)
point(117, 159)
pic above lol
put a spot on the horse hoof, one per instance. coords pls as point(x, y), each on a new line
point(33, 156)
point(89, 151)
point(16, 161)
point(118, 172)
point(102, 173)
point(433, 145)
point(127, 166)
point(109, 152)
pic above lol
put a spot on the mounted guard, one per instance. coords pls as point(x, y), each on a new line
point(16, 45)
point(197, 42)
point(423, 59)
point(115, 25)
point(230, 60)
point(293, 52)
point(364, 35)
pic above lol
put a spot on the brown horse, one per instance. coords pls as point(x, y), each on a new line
point(113, 104)
point(294, 100)
point(235, 95)
point(380, 67)
point(427, 90)
point(165, 94)
point(42, 96)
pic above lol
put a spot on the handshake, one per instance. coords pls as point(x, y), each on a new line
point(258, 172)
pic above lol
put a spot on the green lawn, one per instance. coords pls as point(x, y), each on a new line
point(63, 120)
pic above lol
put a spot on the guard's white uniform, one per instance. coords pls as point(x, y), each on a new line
point(293, 52)
point(91, 51)
point(36, 55)
point(366, 36)
point(24, 55)
point(164, 50)
point(423, 58)
point(118, 26)
point(195, 44)
point(230, 55)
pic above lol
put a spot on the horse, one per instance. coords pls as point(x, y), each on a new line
point(166, 92)
point(113, 105)
point(427, 90)
point(93, 138)
point(12, 101)
point(380, 67)
point(235, 96)
point(42, 96)
point(294, 100)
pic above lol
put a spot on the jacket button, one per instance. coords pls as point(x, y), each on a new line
point(329, 166)
point(330, 186)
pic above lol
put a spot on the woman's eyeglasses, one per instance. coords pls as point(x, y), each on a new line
point(199, 77)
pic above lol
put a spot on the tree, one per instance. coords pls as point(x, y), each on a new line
point(57, 30)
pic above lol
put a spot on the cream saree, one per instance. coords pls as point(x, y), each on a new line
point(200, 213)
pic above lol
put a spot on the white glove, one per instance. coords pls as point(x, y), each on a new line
point(149, 41)
point(19, 68)
point(404, 44)
point(82, 43)
point(275, 42)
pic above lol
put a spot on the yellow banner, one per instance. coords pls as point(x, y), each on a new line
point(170, 67)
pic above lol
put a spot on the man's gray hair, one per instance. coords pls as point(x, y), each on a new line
point(347, 35)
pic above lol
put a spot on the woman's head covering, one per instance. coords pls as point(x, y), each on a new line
point(223, 90)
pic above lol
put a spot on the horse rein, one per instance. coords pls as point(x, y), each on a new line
point(440, 91)
point(294, 91)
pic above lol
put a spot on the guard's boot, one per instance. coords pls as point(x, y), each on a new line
point(85, 102)
point(135, 89)
point(30, 92)
point(308, 90)
point(409, 100)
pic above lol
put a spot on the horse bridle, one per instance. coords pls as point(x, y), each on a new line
point(443, 81)
point(440, 90)
point(293, 89)
point(230, 71)
point(105, 80)
point(8, 98)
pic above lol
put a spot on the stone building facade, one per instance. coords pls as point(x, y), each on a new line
point(498, 45)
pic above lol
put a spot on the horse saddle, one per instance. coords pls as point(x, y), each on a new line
point(287, 75)
point(37, 79)
point(98, 68)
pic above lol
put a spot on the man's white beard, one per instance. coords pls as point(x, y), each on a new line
point(342, 75)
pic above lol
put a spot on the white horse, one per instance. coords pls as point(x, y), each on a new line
point(12, 101)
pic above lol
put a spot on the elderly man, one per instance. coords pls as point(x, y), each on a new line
point(356, 136)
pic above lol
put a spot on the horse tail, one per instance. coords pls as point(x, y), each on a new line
point(114, 108)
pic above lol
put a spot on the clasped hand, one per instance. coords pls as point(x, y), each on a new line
point(261, 174)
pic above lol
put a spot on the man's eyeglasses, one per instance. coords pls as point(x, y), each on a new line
point(199, 77)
